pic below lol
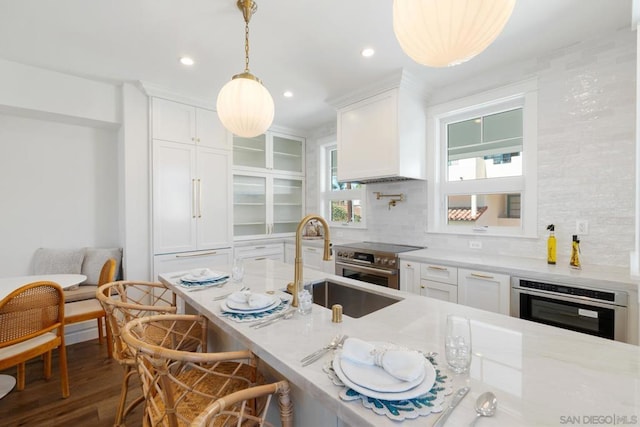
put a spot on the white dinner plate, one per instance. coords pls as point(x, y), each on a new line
point(190, 285)
point(225, 307)
point(245, 307)
point(376, 378)
point(419, 390)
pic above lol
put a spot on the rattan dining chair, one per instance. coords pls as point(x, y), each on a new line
point(231, 410)
point(124, 301)
point(81, 311)
point(31, 325)
point(179, 377)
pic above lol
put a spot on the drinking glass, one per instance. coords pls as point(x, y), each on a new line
point(305, 299)
point(237, 271)
point(457, 344)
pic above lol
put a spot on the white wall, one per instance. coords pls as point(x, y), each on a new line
point(58, 187)
point(586, 155)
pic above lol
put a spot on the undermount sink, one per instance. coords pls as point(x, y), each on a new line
point(355, 302)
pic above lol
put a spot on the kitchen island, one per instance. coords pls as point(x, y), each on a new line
point(541, 375)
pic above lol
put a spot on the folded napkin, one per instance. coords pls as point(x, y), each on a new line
point(251, 299)
point(406, 365)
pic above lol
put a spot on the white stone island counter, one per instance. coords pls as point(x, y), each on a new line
point(541, 375)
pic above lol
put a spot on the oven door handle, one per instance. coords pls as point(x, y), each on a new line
point(576, 299)
point(369, 269)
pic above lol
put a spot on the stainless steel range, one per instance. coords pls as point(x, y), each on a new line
point(371, 262)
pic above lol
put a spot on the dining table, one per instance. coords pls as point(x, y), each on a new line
point(10, 284)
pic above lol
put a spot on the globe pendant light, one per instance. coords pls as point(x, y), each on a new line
point(440, 33)
point(244, 105)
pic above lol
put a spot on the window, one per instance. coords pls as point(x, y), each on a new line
point(483, 174)
point(342, 202)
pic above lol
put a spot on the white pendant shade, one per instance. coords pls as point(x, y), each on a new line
point(245, 107)
point(440, 33)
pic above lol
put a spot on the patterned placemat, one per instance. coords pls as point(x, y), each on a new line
point(250, 317)
point(399, 410)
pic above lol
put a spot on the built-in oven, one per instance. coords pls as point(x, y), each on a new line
point(371, 262)
point(593, 311)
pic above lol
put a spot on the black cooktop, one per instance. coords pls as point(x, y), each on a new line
point(380, 247)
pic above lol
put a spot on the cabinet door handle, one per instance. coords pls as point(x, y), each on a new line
point(481, 276)
point(199, 198)
point(259, 247)
point(193, 198)
point(197, 255)
point(422, 286)
point(433, 267)
point(259, 259)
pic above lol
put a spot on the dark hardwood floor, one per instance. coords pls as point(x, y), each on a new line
point(94, 382)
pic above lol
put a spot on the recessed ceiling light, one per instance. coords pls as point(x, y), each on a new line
point(367, 52)
point(288, 94)
point(185, 60)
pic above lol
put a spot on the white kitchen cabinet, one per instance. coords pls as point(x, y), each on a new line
point(191, 198)
point(381, 137)
point(274, 251)
point(266, 204)
point(439, 282)
point(484, 290)
point(271, 151)
point(410, 276)
point(178, 122)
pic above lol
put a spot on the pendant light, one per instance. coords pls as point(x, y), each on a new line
point(440, 33)
point(244, 105)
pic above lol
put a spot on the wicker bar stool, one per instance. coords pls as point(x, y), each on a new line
point(179, 377)
point(124, 301)
point(232, 409)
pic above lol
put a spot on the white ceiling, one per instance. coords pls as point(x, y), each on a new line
point(309, 47)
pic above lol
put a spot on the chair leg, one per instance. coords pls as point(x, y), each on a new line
point(100, 330)
point(21, 376)
point(123, 410)
point(109, 340)
point(286, 407)
point(46, 360)
point(64, 374)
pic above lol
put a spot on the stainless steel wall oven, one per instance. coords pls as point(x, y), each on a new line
point(592, 311)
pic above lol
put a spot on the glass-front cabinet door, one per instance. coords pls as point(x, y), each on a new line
point(249, 205)
point(287, 153)
point(271, 151)
point(250, 152)
point(287, 205)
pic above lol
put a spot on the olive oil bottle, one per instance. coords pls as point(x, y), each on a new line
point(574, 261)
point(551, 245)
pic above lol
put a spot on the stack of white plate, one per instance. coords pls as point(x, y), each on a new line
point(373, 381)
point(242, 303)
point(203, 277)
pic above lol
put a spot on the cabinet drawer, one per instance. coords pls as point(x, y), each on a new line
point(439, 273)
point(270, 251)
point(438, 290)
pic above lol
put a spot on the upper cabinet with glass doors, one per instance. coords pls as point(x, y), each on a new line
point(271, 151)
point(268, 185)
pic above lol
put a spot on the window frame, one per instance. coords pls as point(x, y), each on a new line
point(327, 195)
point(523, 94)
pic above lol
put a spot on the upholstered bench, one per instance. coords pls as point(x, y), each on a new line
point(81, 303)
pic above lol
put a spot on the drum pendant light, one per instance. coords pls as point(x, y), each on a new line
point(441, 33)
point(244, 105)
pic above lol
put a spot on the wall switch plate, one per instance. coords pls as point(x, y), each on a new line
point(582, 226)
point(475, 244)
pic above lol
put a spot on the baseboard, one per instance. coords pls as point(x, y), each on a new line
point(79, 332)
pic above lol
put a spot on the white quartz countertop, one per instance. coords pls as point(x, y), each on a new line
point(590, 275)
point(541, 375)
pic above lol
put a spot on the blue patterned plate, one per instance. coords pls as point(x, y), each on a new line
point(250, 317)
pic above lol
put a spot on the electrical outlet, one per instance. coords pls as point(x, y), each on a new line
point(582, 227)
point(475, 244)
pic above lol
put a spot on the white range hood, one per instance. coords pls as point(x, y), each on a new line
point(382, 134)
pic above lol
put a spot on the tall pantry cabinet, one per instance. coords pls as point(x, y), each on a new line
point(191, 151)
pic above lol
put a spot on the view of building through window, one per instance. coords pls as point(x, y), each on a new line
point(343, 209)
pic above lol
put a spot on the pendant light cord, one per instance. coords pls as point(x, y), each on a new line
point(246, 46)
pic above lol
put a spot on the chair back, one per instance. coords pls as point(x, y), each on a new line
point(124, 301)
point(108, 272)
point(179, 379)
point(232, 409)
point(31, 310)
